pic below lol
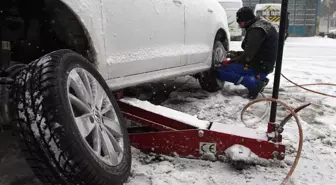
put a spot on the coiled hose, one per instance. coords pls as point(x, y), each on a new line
point(298, 154)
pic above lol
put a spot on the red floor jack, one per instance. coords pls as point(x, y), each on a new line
point(173, 133)
point(189, 137)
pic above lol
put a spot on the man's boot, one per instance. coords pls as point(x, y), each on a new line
point(266, 80)
point(253, 93)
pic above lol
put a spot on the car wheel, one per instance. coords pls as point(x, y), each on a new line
point(208, 79)
point(71, 128)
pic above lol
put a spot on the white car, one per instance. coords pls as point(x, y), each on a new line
point(138, 42)
point(65, 58)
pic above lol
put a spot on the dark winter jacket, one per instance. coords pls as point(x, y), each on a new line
point(260, 46)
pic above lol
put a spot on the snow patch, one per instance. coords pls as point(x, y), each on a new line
point(239, 131)
point(328, 120)
point(170, 113)
point(209, 156)
point(241, 153)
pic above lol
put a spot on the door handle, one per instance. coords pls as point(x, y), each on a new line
point(210, 10)
point(177, 1)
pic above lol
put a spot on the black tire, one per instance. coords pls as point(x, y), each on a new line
point(49, 137)
point(208, 79)
point(14, 69)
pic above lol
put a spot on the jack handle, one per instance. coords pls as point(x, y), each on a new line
point(274, 130)
point(289, 116)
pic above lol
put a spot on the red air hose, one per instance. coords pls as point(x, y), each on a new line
point(298, 154)
point(297, 157)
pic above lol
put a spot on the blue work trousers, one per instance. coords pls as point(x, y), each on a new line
point(235, 73)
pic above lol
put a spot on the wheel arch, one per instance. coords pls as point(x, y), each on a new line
point(62, 8)
point(49, 25)
point(223, 37)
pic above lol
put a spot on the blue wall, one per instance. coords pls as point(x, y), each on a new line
point(303, 15)
point(300, 31)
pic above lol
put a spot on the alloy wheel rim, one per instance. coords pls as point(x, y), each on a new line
point(220, 55)
point(95, 117)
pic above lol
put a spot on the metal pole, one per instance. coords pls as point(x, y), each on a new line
point(294, 27)
point(328, 20)
point(305, 13)
point(277, 75)
point(317, 17)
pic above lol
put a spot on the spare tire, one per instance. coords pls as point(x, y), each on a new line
point(70, 125)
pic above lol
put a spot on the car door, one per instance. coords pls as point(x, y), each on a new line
point(142, 35)
point(198, 26)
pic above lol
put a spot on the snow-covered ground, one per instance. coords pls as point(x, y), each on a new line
point(306, 60)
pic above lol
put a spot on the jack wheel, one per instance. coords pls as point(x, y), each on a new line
point(71, 128)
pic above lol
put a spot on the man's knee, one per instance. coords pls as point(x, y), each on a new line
point(250, 82)
point(236, 74)
point(234, 67)
point(228, 75)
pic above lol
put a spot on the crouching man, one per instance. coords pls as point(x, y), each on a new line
point(252, 66)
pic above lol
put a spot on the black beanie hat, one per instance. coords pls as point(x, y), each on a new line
point(245, 14)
